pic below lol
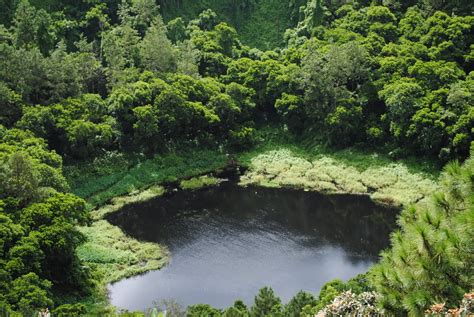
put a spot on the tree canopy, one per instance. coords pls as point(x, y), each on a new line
point(82, 79)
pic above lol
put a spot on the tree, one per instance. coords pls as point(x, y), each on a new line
point(96, 21)
point(334, 94)
point(296, 304)
point(290, 108)
point(32, 28)
point(202, 310)
point(121, 51)
point(10, 233)
point(239, 309)
point(206, 20)
point(459, 101)
point(70, 310)
point(156, 50)
point(10, 106)
point(28, 167)
point(266, 303)
point(24, 72)
point(53, 222)
point(88, 139)
point(430, 258)
point(436, 74)
point(177, 30)
point(411, 25)
point(64, 77)
point(146, 127)
point(188, 58)
point(226, 38)
point(402, 98)
point(145, 11)
point(25, 256)
point(24, 24)
point(30, 293)
point(22, 178)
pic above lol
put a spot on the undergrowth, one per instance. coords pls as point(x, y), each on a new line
point(391, 184)
point(282, 160)
point(278, 159)
point(130, 174)
point(260, 24)
point(198, 182)
point(115, 256)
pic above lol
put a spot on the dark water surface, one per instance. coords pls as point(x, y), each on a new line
point(226, 242)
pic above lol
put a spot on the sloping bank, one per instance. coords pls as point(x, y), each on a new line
point(108, 184)
point(387, 183)
point(113, 256)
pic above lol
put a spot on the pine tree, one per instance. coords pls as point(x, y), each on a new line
point(266, 303)
point(431, 256)
point(156, 50)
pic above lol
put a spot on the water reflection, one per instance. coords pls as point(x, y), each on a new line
point(227, 242)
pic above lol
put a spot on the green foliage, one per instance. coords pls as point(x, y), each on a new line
point(98, 182)
point(30, 293)
point(121, 51)
point(254, 20)
point(38, 234)
point(78, 127)
point(156, 51)
point(198, 182)
point(10, 106)
point(91, 79)
point(32, 27)
point(239, 309)
point(202, 310)
point(114, 256)
point(430, 258)
point(333, 86)
point(70, 310)
point(28, 169)
point(297, 303)
point(266, 303)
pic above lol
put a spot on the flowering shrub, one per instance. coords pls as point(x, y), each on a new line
point(350, 304)
point(465, 309)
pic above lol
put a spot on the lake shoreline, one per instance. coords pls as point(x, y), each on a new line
point(267, 227)
point(253, 172)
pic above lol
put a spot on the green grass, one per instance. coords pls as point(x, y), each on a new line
point(111, 256)
point(198, 182)
point(129, 175)
point(282, 161)
point(278, 160)
point(386, 182)
point(272, 138)
point(115, 256)
point(118, 203)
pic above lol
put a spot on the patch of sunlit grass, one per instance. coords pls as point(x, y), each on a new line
point(114, 255)
point(198, 182)
point(389, 183)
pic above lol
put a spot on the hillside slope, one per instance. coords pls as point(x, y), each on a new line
point(260, 23)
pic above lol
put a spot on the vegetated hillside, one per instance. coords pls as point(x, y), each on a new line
point(260, 23)
point(93, 82)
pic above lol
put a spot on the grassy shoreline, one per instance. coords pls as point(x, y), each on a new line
point(120, 181)
point(110, 183)
point(389, 184)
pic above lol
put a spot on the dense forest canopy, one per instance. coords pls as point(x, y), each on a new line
point(79, 79)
